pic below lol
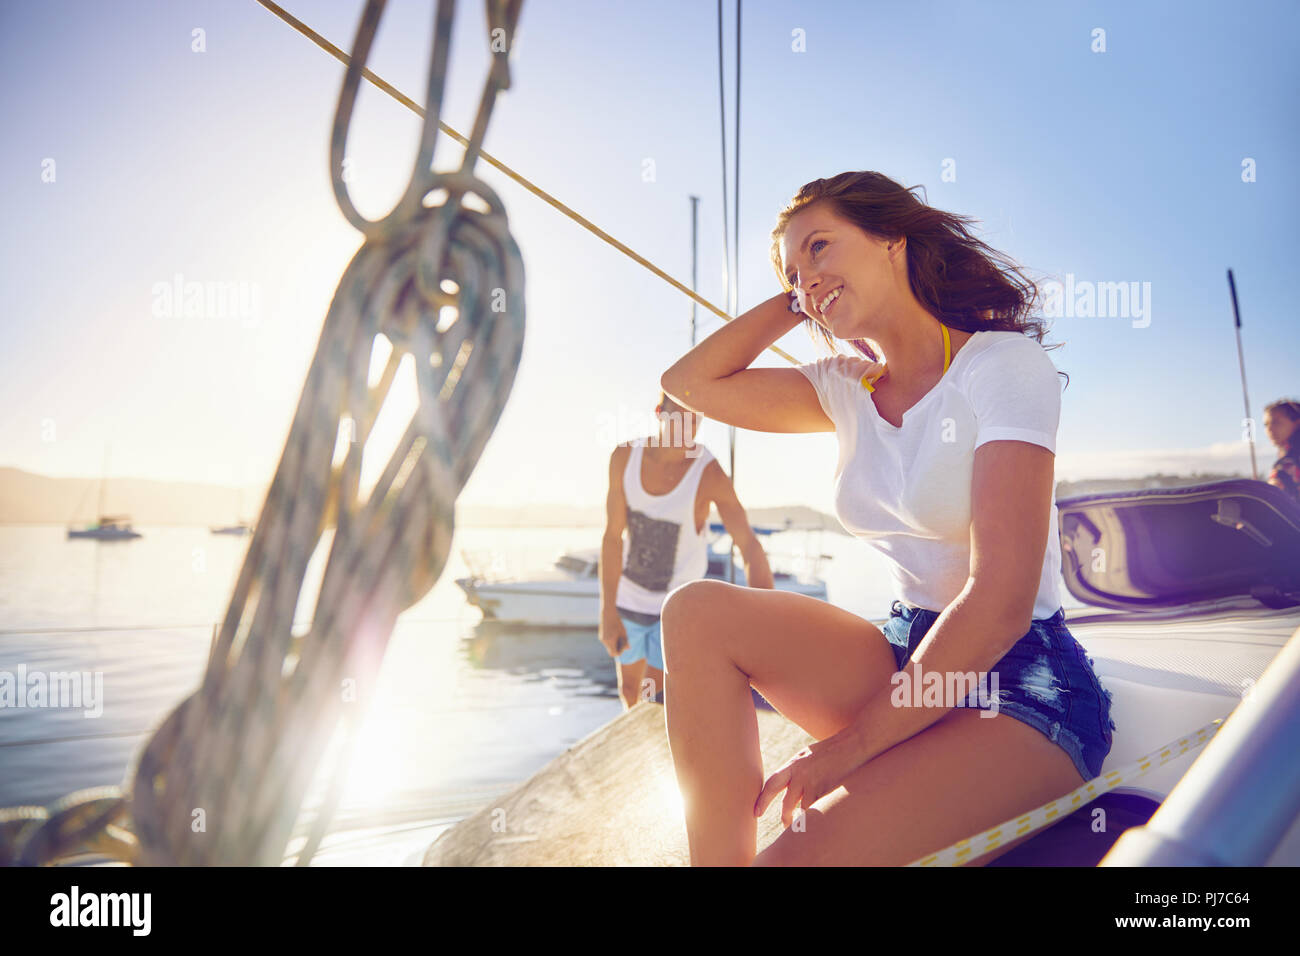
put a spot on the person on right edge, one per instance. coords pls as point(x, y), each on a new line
point(1282, 423)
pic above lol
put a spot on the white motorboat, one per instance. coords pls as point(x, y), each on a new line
point(568, 595)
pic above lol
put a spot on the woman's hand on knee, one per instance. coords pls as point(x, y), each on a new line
point(809, 775)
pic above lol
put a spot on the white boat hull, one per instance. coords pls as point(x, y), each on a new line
point(566, 602)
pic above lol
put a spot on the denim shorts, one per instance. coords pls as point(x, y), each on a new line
point(643, 641)
point(1045, 680)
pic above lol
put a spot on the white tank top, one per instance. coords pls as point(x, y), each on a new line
point(661, 549)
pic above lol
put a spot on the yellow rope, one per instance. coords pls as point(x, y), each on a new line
point(591, 227)
point(964, 851)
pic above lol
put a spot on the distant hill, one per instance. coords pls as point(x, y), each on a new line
point(28, 498)
point(796, 518)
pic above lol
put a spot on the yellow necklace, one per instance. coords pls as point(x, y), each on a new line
point(868, 380)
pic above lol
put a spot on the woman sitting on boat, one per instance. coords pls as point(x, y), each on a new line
point(1282, 422)
point(946, 421)
point(660, 492)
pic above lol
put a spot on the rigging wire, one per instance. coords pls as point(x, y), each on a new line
point(730, 251)
point(726, 207)
point(735, 251)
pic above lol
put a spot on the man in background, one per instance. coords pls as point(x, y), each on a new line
point(660, 492)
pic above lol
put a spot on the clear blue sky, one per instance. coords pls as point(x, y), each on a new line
point(1122, 166)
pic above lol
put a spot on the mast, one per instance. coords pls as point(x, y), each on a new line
point(1241, 361)
point(103, 483)
point(735, 273)
point(695, 208)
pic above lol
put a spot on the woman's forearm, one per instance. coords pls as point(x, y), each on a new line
point(732, 347)
point(968, 639)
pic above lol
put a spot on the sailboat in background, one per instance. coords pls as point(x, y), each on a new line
point(240, 527)
point(109, 527)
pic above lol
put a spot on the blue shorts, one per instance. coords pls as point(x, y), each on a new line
point(1045, 680)
point(643, 641)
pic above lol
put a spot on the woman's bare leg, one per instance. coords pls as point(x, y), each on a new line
point(960, 776)
point(815, 663)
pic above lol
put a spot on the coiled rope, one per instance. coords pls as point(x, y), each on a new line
point(223, 779)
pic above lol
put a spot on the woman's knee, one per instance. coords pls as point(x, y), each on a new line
point(685, 616)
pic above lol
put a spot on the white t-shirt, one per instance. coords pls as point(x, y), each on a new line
point(907, 491)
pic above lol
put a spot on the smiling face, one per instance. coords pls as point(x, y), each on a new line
point(822, 252)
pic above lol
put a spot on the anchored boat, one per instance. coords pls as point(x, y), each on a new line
point(109, 527)
point(238, 530)
point(568, 595)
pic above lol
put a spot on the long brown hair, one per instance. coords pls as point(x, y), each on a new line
point(957, 278)
point(1288, 406)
